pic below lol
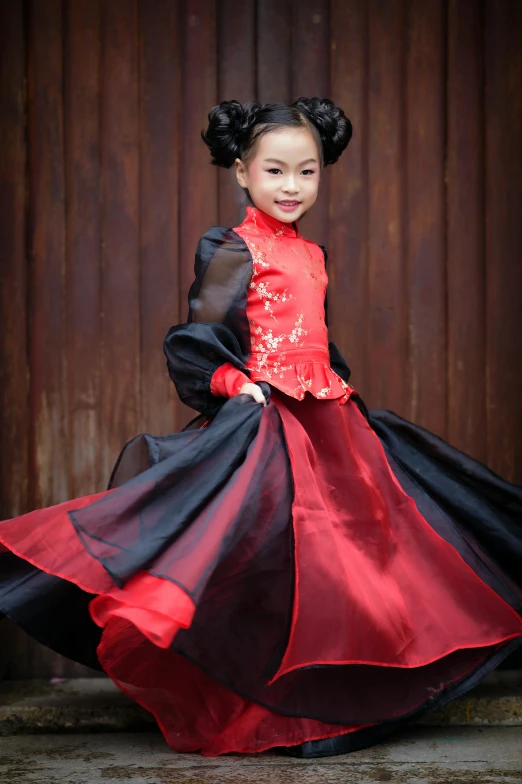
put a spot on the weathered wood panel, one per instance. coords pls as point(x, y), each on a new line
point(48, 470)
point(386, 385)
point(425, 215)
point(274, 51)
point(14, 375)
point(83, 269)
point(348, 204)
point(161, 122)
point(199, 180)
point(466, 324)
point(48, 474)
point(310, 56)
point(236, 81)
point(503, 119)
point(14, 389)
point(120, 393)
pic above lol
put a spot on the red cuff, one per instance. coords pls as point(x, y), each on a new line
point(227, 381)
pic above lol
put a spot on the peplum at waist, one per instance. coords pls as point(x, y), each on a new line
point(297, 371)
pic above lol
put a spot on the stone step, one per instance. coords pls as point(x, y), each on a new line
point(97, 705)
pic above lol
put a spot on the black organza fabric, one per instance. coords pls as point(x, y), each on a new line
point(177, 498)
point(369, 736)
point(217, 329)
point(51, 610)
point(484, 508)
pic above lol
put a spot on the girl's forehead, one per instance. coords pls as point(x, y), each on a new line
point(289, 145)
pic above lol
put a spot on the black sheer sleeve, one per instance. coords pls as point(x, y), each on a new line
point(337, 361)
point(217, 329)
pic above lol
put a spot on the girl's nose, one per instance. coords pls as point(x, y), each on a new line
point(290, 185)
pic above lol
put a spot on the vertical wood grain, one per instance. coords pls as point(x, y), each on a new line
point(120, 230)
point(503, 120)
point(274, 51)
point(198, 178)
point(48, 472)
point(311, 78)
point(161, 122)
point(466, 376)
point(425, 215)
point(83, 334)
point(48, 468)
point(14, 370)
point(348, 213)
point(386, 243)
point(236, 81)
point(14, 402)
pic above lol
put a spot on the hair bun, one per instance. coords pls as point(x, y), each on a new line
point(228, 127)
point(335, 129)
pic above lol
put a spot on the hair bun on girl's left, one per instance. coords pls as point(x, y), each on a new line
point(334, 128)
point(228, 127)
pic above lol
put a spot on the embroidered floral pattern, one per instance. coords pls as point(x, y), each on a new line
point(325, 392)
point(268, 296)
point(268, 367)
point(258, 256)
point(265, 340)
point(298, 330)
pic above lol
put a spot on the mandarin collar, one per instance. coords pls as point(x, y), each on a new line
point(266, 224)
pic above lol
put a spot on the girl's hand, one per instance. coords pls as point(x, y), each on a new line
point(254, 391)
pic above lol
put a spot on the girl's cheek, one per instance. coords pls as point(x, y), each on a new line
point(255, 174)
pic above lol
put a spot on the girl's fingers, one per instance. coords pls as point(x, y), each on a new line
point(254, 391)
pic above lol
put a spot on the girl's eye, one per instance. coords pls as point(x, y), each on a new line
point(274, 171)
point(308, 171)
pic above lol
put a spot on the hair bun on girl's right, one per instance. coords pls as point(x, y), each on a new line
point(228, 127)
point(334, 128)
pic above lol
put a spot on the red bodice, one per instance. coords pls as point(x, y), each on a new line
point(285, 310)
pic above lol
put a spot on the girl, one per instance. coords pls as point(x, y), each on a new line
point(289, 571)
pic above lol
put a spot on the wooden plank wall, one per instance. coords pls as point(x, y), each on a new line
point(105, 187)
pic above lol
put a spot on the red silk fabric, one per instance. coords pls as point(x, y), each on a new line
point(227, 381)
point(367, 564)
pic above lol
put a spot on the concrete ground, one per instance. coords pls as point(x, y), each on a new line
point(97, 705)
point(85, 730)
point(423, 755)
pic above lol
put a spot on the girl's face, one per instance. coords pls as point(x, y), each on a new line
point(283, 175)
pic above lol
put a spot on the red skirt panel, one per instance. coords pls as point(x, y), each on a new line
point(367, 561)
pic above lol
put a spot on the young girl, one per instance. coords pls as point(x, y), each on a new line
point(289, 571)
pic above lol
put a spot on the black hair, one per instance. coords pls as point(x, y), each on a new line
point(234, 128)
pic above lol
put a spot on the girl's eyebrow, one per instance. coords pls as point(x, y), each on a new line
point(282, 163)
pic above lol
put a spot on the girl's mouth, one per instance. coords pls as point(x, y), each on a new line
point(288, 205)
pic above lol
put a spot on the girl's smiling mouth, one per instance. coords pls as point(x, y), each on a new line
point(288, 205)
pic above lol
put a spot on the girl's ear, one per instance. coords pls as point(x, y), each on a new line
point(241, 173)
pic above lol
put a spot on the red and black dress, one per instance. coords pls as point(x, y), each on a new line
point(304, 575)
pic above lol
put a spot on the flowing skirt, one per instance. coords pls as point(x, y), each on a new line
point(293, 576)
